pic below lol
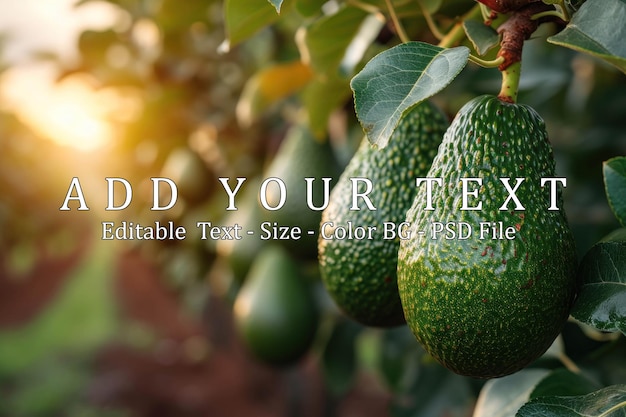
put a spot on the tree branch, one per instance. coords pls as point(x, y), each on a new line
point(516, 30)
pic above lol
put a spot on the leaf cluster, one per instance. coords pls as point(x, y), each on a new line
point(394, 55)
point(376, 59)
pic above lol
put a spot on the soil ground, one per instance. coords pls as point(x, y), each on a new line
point(192, 366)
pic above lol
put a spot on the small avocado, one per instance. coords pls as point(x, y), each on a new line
point(483, 306)
point(299, 156)
point(275, 311)
point(360, 274)
point(240, 253)
point(193, 179)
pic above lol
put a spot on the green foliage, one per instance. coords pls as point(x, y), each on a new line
point(502, 397)
point(339, 361)
point(565, 383)
point(277, 4)
point(294, 62)
point(615, 183)
point(328, 37)
point(483, 37)
point(586, 32)
point(606, 402)
point(321, 98)
point(398, 79)
point(601, 302)
point(244, 18)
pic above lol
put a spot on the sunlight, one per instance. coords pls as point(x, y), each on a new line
point(74, 118)
point(32, 26)
point(71, 113)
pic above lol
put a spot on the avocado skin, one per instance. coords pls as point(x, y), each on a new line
point(240, 253)
point(275, 311)
point(299, 156)
point(360, 275)
point(488, 308)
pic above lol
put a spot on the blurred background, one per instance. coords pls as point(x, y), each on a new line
point(144, 88)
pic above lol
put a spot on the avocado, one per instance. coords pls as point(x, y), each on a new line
point(360, 274)
point(240, 253)
point(194, 180)
point(486, 307)
point(299, 156)
point(275, 311)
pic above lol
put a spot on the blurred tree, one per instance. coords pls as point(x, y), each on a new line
point(210, 90)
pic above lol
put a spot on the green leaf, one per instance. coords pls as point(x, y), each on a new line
point(606, 402)
point(269, 86)
point(276, 4)
point(431, 6)
point(244, 18)
point(321, 97)
point(597, 29)
point(615, 185)
point(309, 8)
point(361, 44)
point(433, 391)
point(399, 358)
point(573, 5)
point(556, 349)
point(398, 79)
point(601, 302)
point(328, 38)
point(502, 397)
point(608, 363)
point(483, 37)
point(338, 358)
point(563, 382)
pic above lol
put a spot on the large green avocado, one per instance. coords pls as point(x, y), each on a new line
point(275, 310)
point(488, 307)
point(360, 274)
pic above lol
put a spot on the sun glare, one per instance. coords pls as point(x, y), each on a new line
point(73, 119)
point(71, 113)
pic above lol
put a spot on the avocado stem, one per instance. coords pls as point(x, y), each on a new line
point(568, 363)
point(432, 25)
point(548, 13)
point(514, 32)
point(510, 82)
point(487, 64)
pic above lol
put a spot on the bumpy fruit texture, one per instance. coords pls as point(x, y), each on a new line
point(487, 308)
point(360, 275)
point(275, 311)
